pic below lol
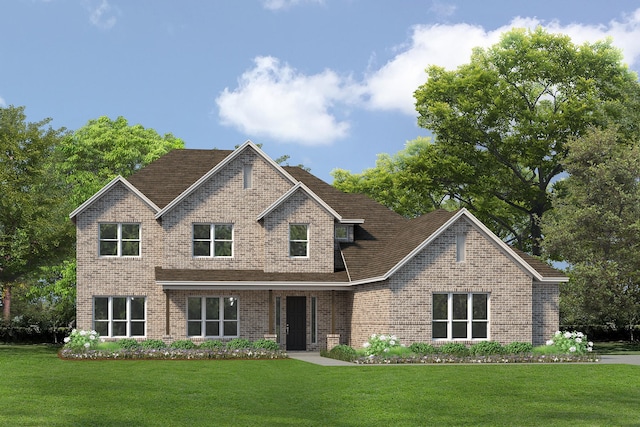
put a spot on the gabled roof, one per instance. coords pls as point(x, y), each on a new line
point(384, 240)
point(298, 187)
point(228, 159)
point(113, 183)
point(169, 176)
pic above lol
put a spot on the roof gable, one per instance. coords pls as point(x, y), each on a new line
point(115, 181)
point(298, 187)
point(422, 231)
point(219, 166)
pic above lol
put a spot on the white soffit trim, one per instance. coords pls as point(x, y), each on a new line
point(106, 188)
point(198, 285)
point(483, 228)
point(220, 166)
point(292, 190)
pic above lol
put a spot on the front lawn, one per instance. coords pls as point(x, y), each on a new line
point(37, 389)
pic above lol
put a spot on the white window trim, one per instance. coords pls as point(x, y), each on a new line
point(203, 319)
point(469, 319)
point(247, 176)
point(461, 247)
point(120, 240)
point(348, 229)
point(299, 241)
point(212, 240)
point(110, 319)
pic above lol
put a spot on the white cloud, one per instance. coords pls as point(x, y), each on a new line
point(285, 4)
point(391, 87)
point(102, 14)
point(443, 10)
point(3, 103)
point(275, 100)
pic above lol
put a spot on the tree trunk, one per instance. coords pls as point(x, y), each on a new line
point(6, 303)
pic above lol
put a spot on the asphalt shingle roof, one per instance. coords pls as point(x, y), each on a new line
point(381, 242)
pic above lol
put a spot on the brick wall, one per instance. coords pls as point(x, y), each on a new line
point(546, 320)
point(224, 200)
point(408, 293)
point(299, 208)
point(106, 276)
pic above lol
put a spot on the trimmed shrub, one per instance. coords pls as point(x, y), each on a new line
point(128, 344)
point(265, 344)
point(343, 352)
point(212, 345)
point(486, 348)
point(454, 349)
point(238, 344)
point(152, 344)
point(183, 344)
point(518, 348)
point(422, 348)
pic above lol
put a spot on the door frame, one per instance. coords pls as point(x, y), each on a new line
point(296, 323)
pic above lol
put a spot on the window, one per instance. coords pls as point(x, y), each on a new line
point(314, 320)
point(119, 239)
point(247, 171)
point(212, 317)
point(216, 239)
point(119, 316)
point(298, 240)
point(461, 243)
point(278, 320)
point(460, 316)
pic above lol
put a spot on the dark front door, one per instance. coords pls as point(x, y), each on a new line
point(296, 323)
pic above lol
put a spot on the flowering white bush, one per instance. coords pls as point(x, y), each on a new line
point(571, 342)
point(380, 344)
point(83, 340)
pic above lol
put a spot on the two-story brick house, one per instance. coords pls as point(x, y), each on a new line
point(218, 244)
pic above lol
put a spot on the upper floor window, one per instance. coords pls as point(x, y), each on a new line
point(460, 316)
point(247, 176)
point(461, 247)
point(343, 233)
point(213, 240)
point(119, 239)
point(298, 240)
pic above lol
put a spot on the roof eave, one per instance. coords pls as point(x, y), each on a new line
point(105, 189)
point(251, 285)
point(217, 168)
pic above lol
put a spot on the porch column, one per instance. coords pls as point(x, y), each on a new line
point(271, 314)
point(333, 312)
point(167, 315)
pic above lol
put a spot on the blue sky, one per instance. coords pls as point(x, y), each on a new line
point(328, 82)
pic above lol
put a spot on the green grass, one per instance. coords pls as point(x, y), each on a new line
point(38, 389)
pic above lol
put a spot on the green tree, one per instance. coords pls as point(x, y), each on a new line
point(92, 156)
point(34, 230)
point(595, 227)
point(104, 148)
point(501, 123)
point(399, 181)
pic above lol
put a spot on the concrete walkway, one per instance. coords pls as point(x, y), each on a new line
point(632, 359)
point(316, 359)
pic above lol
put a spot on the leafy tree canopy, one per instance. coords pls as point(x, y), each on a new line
point(33, 226)
point(500, 124)
point(105, 148)
point(595, 226)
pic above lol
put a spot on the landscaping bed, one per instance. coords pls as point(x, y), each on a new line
point(564, 347)
point(87, 345)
